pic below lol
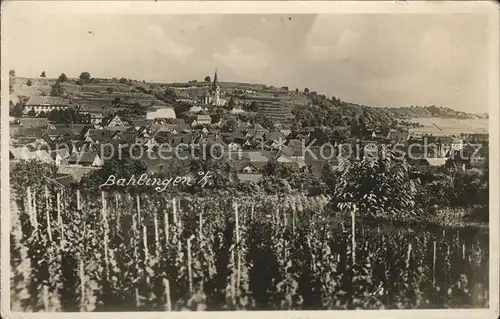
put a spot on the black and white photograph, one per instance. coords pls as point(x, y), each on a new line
point(215, 158)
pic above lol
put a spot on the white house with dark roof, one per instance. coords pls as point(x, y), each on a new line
point(46, 104)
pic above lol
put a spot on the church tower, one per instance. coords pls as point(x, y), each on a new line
point(216, 91)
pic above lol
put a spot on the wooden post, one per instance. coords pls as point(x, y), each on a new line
point(353, 231)
point(167, 294)
point(46, 298)
point(78, 204)
point(236, 220)
point(82, 283)
point(463, 251)
point(201, 227)
point(238, 274)
point(47, 213)
point(137, 298)
point(232, 277)
point(35, 217)
point(252, 211)
point(59, 217)
point(138, 201)
point(105, 219)
point(293, 218)
point(28, 191)
point(165, 218)
point(408, 258)
point(190, 270)
point(157, 235)
point(434, 262)
point(145, 241)
point(174, 209)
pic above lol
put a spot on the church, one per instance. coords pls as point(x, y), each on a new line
point(212, 95)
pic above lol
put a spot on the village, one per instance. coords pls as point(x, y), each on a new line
point(253, 122)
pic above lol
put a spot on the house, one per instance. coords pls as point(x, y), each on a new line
point(233, 146)
point(62, 134)
point(19, 153)
point(115, 121)
point(60, 156)
point(96, 117)
point(457, 144)
point(201, 119)
point(141, 123)
point(89, 158)
point(46, 104)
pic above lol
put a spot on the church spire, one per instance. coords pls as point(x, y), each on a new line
point(215, 85)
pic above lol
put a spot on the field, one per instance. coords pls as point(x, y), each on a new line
point(105, 252)
point(454, 126)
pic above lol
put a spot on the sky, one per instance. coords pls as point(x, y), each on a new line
point(371, 59)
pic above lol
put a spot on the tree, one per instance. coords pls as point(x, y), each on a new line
point(16, 110)
point(32, 112)
point(12, 73)
point(85, 77)
point(208, 79)
point(109, 90)
point(254, 106)
point(123, 81)
point(43, 75)
point(306, 90)
point(63, 78)
point(116, 101)
point(230, 104)
point(379, 184)
point(264, 121)
point(57, 89)
point(29, 83)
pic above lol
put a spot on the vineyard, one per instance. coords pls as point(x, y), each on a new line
point(72, 251)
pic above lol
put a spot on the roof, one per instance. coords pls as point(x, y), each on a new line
point(254, 156)
point(398, 135)
point(203, 117)
point(436, 161)
point(23, 153)
point(62, 131)
point(215, 84)
point(47, 100)
point(34, 121)
point(161, 112)
point(76, 172)
point(87, 157)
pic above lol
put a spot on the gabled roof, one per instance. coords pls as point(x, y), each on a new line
point(85, 158)
point(47, 100)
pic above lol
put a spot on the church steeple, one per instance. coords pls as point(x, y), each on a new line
point(215, 84)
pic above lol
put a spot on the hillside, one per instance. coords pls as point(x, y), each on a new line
point(308, 108)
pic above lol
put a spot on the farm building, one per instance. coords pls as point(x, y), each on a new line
point(46, 104)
